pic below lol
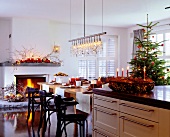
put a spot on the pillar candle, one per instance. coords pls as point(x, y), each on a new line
point(127, 71)
point(122, 71)
point(117, 72)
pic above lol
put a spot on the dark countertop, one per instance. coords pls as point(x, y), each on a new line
point(158, 97)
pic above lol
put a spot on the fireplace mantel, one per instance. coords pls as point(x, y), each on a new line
point(31, 64)
point(7, 73)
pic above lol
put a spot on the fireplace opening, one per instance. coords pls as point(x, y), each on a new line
point(23, 81)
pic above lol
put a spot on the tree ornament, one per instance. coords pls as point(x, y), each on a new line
point(143, 59)
point(162, 44)
point(153, 63)
point(139, 46)
point(135, 58)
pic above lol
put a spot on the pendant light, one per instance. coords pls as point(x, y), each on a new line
point(87, 45)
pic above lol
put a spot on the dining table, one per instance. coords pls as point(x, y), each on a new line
point(80, 94)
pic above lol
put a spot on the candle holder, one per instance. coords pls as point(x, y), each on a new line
point(131, 85)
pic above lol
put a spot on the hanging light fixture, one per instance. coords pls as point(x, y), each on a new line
point(87, 45)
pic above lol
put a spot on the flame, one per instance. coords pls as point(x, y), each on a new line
point(30, 83)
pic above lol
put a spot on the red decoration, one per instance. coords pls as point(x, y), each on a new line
point(139, 46)
point(153, 63)
point(135, 58)
point(162, 44)
point(143, 58)
point(152, 36)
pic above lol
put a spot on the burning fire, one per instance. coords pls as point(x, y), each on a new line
point(30, 83)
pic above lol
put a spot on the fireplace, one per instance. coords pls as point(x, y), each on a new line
point(22, 81)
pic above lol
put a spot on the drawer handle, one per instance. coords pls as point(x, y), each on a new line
point(104, 111)
point(105, 100)
point(136, 122)
point(95, 130)
point(148, 110)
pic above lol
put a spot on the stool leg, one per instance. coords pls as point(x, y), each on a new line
point(82, 128)
point(86, 127)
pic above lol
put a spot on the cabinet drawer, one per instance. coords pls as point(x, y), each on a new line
point(98, 132)
point(131, 126)
point(139, 110)
point(106, 119)
point(107, 102)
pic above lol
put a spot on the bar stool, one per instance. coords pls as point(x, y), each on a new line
point(64, 119)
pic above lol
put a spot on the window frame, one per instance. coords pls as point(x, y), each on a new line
point(98, 57)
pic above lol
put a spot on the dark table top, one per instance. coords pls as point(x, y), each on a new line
point(158, 97)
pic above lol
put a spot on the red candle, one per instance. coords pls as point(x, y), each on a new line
point(127, 71)
point(122, 71)
point(117, 72)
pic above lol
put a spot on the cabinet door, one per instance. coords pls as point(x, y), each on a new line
point(131, 126)
point(139, 110)
point(106, 102)
point(106, 119)
point(98, 132)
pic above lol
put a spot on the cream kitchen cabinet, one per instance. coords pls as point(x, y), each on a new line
point(115, 117)
point(105, 116)
point(138, 120)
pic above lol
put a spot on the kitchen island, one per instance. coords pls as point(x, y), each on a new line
point(126, 115)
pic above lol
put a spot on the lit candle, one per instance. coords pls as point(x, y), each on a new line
point(144, 72)
point(127, 71)
point(117, 72)
point(122, 71)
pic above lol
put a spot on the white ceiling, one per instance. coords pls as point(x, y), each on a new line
point(117, 13)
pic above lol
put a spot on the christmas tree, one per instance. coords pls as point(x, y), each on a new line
point(146, 57)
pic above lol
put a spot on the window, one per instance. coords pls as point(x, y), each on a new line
point(165, 37)
point(101, 65)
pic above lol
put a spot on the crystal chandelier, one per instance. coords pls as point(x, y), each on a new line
point(87, 45)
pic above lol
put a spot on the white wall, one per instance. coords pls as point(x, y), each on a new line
point(5, 30)
point(41, 35)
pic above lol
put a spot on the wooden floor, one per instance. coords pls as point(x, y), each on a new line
point(13, 124)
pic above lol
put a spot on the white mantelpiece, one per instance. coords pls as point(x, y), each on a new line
point(7, 73)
